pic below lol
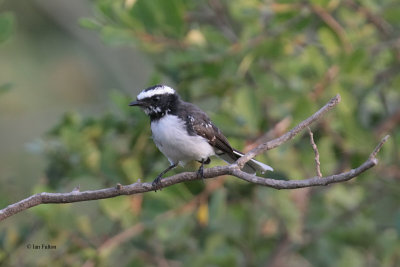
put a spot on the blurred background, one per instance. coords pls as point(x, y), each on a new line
point(68, 70)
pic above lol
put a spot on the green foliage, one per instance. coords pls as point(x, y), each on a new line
point(5, 88)
point(250, 64)
point(7, 24)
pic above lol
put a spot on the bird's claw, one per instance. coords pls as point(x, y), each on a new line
point(200, 173)
point(157, 184)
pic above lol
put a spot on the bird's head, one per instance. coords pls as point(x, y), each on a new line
point(156, 101)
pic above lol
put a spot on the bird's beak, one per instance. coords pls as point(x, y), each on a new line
point(137, 103)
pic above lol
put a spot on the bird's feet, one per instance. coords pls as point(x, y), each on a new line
point(200, 172)
point(157, 183)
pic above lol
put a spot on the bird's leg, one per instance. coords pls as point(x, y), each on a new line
point(200, 172)
point(157, 182)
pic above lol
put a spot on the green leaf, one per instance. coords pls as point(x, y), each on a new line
point(90, 23)
point(4, 88)
point(160, 16)
point(7, 25)
point(115, 207)
point(392, 15)
point(351, 257)
point(116, 36)
point(217, 208)
point(247, 108)
point(132, 169)
point(329, 41)
point(354, 61)
point(322, 3)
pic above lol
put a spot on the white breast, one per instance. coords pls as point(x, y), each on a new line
point(171, 137)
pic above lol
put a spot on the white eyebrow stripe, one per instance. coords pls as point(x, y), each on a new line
point(161, 90)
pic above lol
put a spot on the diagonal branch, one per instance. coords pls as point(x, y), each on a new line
point(289, 135)
point(334, 25)
point(233, 169)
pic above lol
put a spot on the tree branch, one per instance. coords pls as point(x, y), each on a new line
point(232, 169)
point(289, 135)
point(314, 181)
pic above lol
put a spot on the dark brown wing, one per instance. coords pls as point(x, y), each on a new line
point(214, 136)
point(203, 126)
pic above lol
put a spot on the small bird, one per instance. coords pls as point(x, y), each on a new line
point(183, 132)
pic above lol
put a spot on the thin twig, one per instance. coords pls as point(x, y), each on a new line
point(334, 25)
point(289, 135)
point(327, 79)
point(315, 148)
point(279, 128)
point(378, 147)
point(383, 26)
point(389, 124)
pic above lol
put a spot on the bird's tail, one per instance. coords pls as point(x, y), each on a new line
point(252, 166)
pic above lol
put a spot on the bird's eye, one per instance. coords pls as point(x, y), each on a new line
point(157, 98)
